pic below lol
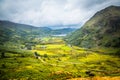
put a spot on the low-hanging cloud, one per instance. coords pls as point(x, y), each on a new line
point(51, 12)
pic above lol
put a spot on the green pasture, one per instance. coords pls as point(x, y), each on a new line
point(57, 61)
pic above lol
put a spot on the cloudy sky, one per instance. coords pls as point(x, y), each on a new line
point(52, 12)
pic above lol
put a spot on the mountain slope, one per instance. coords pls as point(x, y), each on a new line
point(63, 31)
point(10, 31)
point(21, 33)
point(103, 29)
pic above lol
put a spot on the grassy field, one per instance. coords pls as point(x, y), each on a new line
point(59, 61)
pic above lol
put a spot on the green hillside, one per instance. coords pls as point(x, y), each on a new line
point(21, 33)
point(102, 30)
point(63, 31)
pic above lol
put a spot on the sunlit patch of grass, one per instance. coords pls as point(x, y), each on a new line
point(29, 67)
point(66, 48)
point(54, 46)
point(96, 57)
point(53, 49)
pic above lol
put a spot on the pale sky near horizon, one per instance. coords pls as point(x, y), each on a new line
point(52, 12)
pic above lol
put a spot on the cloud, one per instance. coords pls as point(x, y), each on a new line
point(51, 12)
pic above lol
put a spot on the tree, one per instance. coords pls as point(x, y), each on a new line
point(2, 55)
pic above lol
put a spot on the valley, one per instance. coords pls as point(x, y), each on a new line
point(57, 60)
point(91, 52)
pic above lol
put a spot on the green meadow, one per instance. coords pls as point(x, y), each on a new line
point(58, 61)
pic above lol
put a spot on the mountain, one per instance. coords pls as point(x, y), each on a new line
point(21, 33)
point(63, 31)
point(10, 31)
point(102, 30)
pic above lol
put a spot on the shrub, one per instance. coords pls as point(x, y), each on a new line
point(45, 55)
